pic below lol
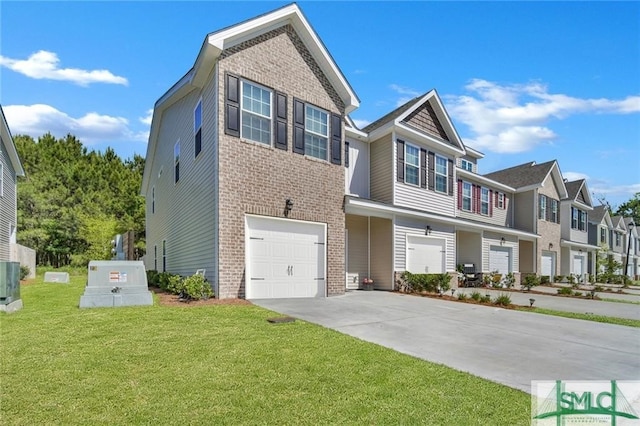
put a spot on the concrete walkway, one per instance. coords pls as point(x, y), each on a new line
point(505, 346)
point(566, 304)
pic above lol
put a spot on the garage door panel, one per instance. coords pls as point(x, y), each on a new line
point(500, 260)
point(285, 258)
point(425, 255)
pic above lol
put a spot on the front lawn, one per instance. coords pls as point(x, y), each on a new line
point(219, 365)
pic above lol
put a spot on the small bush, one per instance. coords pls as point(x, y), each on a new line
point(509, 280)
point(544, 279)
point(598, 288)
point(195, 287)
point(565, 291)
point(462, 296)
point(175, 284)
point(530, 281)
point(476, 296)
point(427, 282)
point(152, 277)
point(485, 299)
point(24, 272)
point(502, 300)
point(558, 278)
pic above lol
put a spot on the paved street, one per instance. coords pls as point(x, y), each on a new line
point(504, 346)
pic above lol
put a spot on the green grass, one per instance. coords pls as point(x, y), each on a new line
point(631, 302)
point(219, 365)
point(588, 317)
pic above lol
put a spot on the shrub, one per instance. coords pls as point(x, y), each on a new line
point(24, 272)
point(544, 279)
point(509, 280)
point(485, 299)
point(462, 296)
point(598, 288)
point(502, 300)
point(558, 278)
point(152, 277)
point(530, 281)
point(427, 282)
point(195, 287)
point(175, 284)
point(565, 291)
point(476, 296)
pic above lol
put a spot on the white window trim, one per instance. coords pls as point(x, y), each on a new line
point(436, 174)
point(320, 135)
point(484, 190)
point(270, 117)
point(554, 210)
point(542, 207)
point(501, 200)
point(407, 145)
point(468, 163)
point(470, 196)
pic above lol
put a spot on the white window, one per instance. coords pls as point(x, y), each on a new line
point(582, 226)
point(617, 239)
point(484, 201)
point(411, 164)
point(467, 165)
point(603, 235)
point(176, 162)
point(197, 127)
point(554, 211)
point(441, 174)
point(542, 207)
point(256, 113)
point(501, 200)
point(466, 196)
point(316, 132)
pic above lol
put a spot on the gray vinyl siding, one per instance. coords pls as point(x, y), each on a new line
point(357, 245)
point(525, 213)
point(415, 197)
point(499, 216)
point(382, 169)
point(185, 212)
point(382, 253)
point(404, 226)
point(569, 233)
point(357, 174)
point(493, 239)
point(7, 202)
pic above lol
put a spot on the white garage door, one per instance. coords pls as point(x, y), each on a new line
point(500, 259)
point(285, 258)
point(548, 264)
point(425, 255)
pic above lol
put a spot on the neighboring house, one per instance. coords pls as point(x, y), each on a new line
point(10, 169)
point(577, 252)
point(538, 191)
point(244, 174)
point(617, 236)
point(600, 226)
point(416, 203)
point(631, 248)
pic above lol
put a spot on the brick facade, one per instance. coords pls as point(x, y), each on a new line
point(257, 179)
point(550, 232)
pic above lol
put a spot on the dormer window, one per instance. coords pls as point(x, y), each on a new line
point(467, 165)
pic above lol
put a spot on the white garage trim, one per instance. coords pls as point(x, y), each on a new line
point(284, 258)
point(500, 259)
point(548, 264)
point(425, 255)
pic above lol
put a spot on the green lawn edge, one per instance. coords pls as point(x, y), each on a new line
point(588, 317)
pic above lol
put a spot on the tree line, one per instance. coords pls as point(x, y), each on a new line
point(74, 200)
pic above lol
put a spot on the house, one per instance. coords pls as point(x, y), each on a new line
point(539, 188)
point(415, 202)
point(245, 172)
point(10, 169)
point(631, 246)
point(600, 226)
point(618, 238)
point(577, 252)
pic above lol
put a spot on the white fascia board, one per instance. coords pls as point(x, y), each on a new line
point(473, 176)
point(381, 131)
point(365, 207)
point(473, 152)
point(569, 243)
point(356, 134)
point(528, 188)
point(420, 137)
point(555, 170)
point(582, 205)
point(290, 14)
point(10, 145)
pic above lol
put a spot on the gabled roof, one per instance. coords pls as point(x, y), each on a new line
point(577, 192)
point(215, 43)
point(530, 176)
point(618, 222)
point(599, 213)
point(9, 145)
point(627, 223)
point(429, 104)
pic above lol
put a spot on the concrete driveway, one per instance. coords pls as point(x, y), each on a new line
point(508, 347)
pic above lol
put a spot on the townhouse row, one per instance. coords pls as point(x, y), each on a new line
point(256, 173)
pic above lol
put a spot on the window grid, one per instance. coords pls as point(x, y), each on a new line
point(316, 135)
point(542, 208)
point(411, 165)
point(467, 165)
point(484, 201)
point(441, 174)
point(603, 235)
point(256, 113)
point(466, 196)
point(554, 211)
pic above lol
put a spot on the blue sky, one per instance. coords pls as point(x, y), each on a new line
point(522, 81)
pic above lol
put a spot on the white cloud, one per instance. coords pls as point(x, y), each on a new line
point(361, 123)
point(45, 65)
point(515, 118)
point(406, 93)
point(147, 118)
point(38, 119)
point(571, 176)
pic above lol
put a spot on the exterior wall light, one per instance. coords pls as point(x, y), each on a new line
point(288, 205)
point(427, 230)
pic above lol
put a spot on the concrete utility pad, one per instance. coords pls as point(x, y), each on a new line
point(56, 277)
point(505, 346)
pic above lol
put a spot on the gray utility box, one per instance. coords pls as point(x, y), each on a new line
point(116, 283)
point(9, 282)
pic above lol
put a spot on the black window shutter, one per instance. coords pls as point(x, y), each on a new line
point(346, 153)
point(423, 168)
point(491, 195)
point(336, 139)
point(450, 163)
point(400, 160)
point(432, 171)
point(298, 126)
point(549, 201)
point(232, 106)
point(281, 121)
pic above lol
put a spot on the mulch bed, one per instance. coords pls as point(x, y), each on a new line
point(168, 299)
